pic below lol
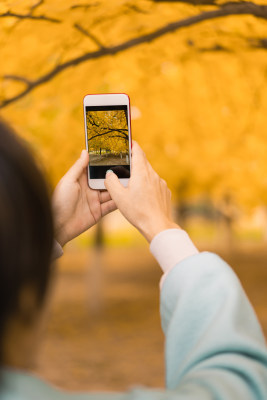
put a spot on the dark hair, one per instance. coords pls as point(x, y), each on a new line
point(26, 228)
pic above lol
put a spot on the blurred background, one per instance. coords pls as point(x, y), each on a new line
point(196, 74)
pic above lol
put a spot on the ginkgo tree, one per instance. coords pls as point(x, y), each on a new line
point(195, 73)
point(108, 131)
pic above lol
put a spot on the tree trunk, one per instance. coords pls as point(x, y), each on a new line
point(227, 216)
point(96, 273)
point(265, 224)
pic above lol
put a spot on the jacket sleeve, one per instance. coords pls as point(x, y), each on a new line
point(215, 348)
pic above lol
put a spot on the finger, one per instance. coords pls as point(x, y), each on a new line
point(78, 167)
point(139, 159)
point(113, 186)
point(151, 169)
point(108, 207)
point(137, 150)
point(93, 203)
point(104, 196)
point(163, 183)
point(83, 179)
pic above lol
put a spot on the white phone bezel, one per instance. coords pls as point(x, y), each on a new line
point(111, 99)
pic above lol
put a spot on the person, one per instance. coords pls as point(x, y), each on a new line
point(215, 348)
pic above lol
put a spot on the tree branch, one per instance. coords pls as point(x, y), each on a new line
point(260, 43)
point(32, 9)
point(34, 6)
point(111, 130)
point(125, 138)
point(92, 121)
point(29, 15)
point(135, 8)
point(244, 8)
point(90, 35)
point(193, 2)
point(86, 6)
point(19, 79)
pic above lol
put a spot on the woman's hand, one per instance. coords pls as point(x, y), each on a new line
point(76, 207)
point(146, 202)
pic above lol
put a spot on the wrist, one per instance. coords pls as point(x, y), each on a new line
point(60, 236)
point(150, 230)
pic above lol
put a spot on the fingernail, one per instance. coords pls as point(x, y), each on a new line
point(109, 171)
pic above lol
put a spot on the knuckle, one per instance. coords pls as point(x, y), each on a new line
point(164, 183)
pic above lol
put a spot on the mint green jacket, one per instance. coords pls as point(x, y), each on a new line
point(214, 347)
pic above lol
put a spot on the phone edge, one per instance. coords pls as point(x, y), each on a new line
point(122, 180)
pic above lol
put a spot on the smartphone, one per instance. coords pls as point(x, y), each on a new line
point(108, 137)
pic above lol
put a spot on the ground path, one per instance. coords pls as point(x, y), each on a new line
point(107, 160)
point(116, 341)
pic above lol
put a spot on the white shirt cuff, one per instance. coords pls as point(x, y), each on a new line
point(171, 246)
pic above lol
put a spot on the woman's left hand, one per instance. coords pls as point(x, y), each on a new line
point(76, 207)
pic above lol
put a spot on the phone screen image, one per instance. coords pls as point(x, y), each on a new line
point(108, 140)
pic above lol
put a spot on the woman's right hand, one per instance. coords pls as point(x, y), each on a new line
point(146, 202)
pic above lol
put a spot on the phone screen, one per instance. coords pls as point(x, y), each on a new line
point(108, 140)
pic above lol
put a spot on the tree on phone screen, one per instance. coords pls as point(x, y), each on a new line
point(107, 136)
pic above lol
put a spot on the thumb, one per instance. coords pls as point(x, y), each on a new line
point(77, 169)
point(113, 186)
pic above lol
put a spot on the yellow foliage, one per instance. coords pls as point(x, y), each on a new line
point(199, 92)
point(107, 130)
